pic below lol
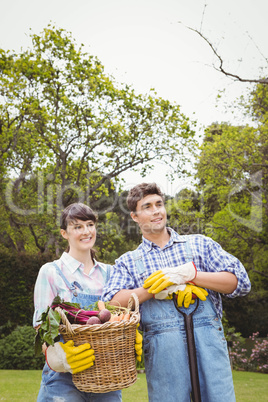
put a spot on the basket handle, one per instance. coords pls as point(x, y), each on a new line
point(65, 320)
point(133, 302)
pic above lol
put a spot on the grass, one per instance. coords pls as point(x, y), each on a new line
point(23, 386)
point(250, 387)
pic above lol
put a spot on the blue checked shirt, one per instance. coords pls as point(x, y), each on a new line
point(208, 256)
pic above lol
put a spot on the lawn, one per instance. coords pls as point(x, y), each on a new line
point(22, 386)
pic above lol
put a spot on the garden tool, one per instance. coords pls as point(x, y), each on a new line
point(189, 328)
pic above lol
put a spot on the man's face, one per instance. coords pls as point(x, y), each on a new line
point(150, 214)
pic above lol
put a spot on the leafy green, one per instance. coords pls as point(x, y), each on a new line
point(48, 331)
point(57, 301)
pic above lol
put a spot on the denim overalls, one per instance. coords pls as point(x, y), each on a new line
point(166, 354)
point(58, 387)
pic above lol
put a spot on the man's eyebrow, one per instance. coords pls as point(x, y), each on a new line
point(146, 204)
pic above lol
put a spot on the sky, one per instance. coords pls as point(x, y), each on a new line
point(148, 44)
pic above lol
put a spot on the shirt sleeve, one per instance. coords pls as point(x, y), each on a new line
point(45, 291)
point(120, 278)
point(220, 260)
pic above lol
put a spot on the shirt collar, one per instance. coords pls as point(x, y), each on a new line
point(101, 265)
point(73, 264)
point(70, 262)
point(174, 238)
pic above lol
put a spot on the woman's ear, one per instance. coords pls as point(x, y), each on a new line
point(64, 234)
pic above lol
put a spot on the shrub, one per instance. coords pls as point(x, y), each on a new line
point(17, 350)
point(250, 360)
point(16, 296)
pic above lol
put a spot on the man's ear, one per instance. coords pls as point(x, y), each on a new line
point(64, 234)
point(134, 216)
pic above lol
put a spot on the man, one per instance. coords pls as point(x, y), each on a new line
point(165, 347)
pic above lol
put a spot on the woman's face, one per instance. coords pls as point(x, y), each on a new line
point(81, 235)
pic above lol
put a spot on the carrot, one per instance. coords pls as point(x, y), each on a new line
point(114, 318)
point(127, 316)
point(101, 305)
point(121, 317)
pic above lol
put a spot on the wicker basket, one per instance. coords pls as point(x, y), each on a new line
point(113, 343)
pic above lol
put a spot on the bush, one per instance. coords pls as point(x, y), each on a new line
point(17, 350)
point(254, 359)
point(16, 296)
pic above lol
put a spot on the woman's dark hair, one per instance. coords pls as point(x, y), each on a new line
point(140, 191)
point(74, 212)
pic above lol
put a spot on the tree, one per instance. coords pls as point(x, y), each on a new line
point(184, 212)
point(232, 172)
point(67, 130)
point(230, 204)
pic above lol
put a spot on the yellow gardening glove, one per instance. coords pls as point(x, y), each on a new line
point(166, 277)
point(65, 357)
point(138, 344)
point(187, 296)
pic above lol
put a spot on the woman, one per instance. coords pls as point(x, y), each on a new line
point(78, 278)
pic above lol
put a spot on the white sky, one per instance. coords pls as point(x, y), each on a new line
point(142, 43)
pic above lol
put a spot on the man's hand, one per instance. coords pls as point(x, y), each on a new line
point(138, 345)
point(65, 357)
point(161, 279)
point(186, 297)
point(168, 292)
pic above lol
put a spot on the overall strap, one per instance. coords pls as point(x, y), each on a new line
point(108, 271)
point(72, 286)
point(189, 254)
point(137, 257)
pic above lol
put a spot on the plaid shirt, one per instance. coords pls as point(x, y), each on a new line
point(207, 255)
point(49, 283)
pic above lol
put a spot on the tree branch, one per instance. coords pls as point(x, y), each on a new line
point(41, 248)
point(263, 81)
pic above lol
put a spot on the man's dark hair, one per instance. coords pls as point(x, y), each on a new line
point(140, 191)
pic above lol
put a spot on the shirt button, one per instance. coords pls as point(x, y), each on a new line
point(220, 328)
point(216, 319)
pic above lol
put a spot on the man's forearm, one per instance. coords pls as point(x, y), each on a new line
point(122, 297)
point(222, 282)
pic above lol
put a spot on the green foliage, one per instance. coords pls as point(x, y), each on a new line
point(17, 350)
point(229, 332)
point(17, 279)
point(48, 331)
point(68, 131)
point(229, 203)
point(248, 314)
point(184, 213)
point(233, 172)
point(112, 241)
